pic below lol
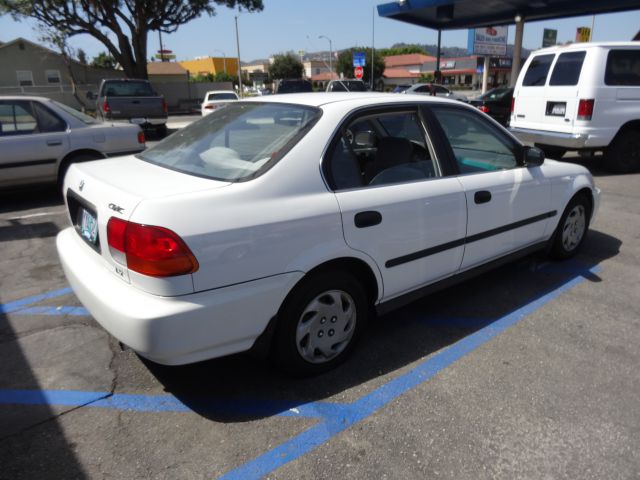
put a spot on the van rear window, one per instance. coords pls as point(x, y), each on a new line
point(567, 69)
point(623, 68)
point(536, 75)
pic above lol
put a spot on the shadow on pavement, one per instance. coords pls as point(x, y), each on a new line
point(242, 388)
point(32, 442)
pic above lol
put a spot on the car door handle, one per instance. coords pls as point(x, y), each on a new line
point(54, 143)
point(483, 196)
point(367, 219)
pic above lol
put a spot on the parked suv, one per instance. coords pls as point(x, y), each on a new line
point(583, 97)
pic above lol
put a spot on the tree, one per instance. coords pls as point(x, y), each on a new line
point(286, 65)
point(345, 64)
point(81, 55)
point(104, 60)
point(121, 26)
point(404, 50)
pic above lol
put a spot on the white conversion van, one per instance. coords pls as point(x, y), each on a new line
point(585, 97)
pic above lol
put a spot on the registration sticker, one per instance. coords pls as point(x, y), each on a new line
point(88, 226)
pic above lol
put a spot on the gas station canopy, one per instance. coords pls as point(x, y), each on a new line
point(460, 14)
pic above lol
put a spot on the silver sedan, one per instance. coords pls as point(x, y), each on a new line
point(40, 138)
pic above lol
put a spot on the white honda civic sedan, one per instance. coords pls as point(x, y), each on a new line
point(280, 222)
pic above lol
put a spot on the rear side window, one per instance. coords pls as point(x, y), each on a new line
point(567, 69)
point(623, 68)
point(536, 75)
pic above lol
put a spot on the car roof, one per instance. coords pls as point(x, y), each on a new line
point(319, 99)
point(25, 97)
point(219, 91)
point(582, 46)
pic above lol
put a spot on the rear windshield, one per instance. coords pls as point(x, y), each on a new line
point(567, 69)
point(623, 68)
point(295, 86)
point(221, 96)
point(236, 142)
point(496, 94)
point(536, 75)
point(127, 89)
point(75, 113)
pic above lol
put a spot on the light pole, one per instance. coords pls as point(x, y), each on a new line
point(225, 58)
point(238, 45)
point(330, 55)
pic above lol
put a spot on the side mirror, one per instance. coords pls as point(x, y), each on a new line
point(90, 96)
point(533, 157)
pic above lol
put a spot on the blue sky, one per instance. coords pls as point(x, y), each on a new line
point(295, 25)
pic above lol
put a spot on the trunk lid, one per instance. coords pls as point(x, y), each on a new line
point(96, 191)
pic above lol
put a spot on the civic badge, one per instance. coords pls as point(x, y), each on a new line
point(81, 186)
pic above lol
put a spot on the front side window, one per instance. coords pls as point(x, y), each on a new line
point(48, 121)
point(476, 144)
point(566, 71)
point(623, 68)
point(536, 75)
point(380, 149)
point(236, 142)
point(17, 118)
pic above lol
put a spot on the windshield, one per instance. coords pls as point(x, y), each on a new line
point(75, 113)
point(236, 142)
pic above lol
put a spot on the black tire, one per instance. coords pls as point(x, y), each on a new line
point(307, 323)
point(161, 131)
point(572, 228)
point(555, 153)
point(64, 166)
point(623, 155)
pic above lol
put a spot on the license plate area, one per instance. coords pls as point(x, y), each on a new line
point(137, 120)
point(85, 219)
point(556, 109)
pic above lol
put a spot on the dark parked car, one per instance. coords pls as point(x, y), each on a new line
point(496, 103)
point(346, 85)
point(296, 85)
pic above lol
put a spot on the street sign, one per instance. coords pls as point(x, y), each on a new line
point(490, 41)
point(359, 59)
point(358, 72)
point(583, 34)
point(549, 37)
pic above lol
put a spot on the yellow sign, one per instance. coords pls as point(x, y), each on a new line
point(583, 34)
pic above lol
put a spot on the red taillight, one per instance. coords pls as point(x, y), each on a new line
point(513, 104)
point(209, 107)
point(483, 108)
point(149, 250)
point(141, 138)
point(105, 107)
point(585, 109)
point(165, 107)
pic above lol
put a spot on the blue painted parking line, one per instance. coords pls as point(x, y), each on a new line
point(25, 302)
point(369, 404)
point(333, 418)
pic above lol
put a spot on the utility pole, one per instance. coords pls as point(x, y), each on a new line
point(239, 72)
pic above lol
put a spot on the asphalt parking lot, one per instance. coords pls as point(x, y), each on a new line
point(530, 371)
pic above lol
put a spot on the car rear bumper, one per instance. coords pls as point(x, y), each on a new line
point(172, 330)
point(593, 139)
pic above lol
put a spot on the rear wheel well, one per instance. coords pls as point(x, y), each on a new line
point(358, 268)
point(631, 125)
